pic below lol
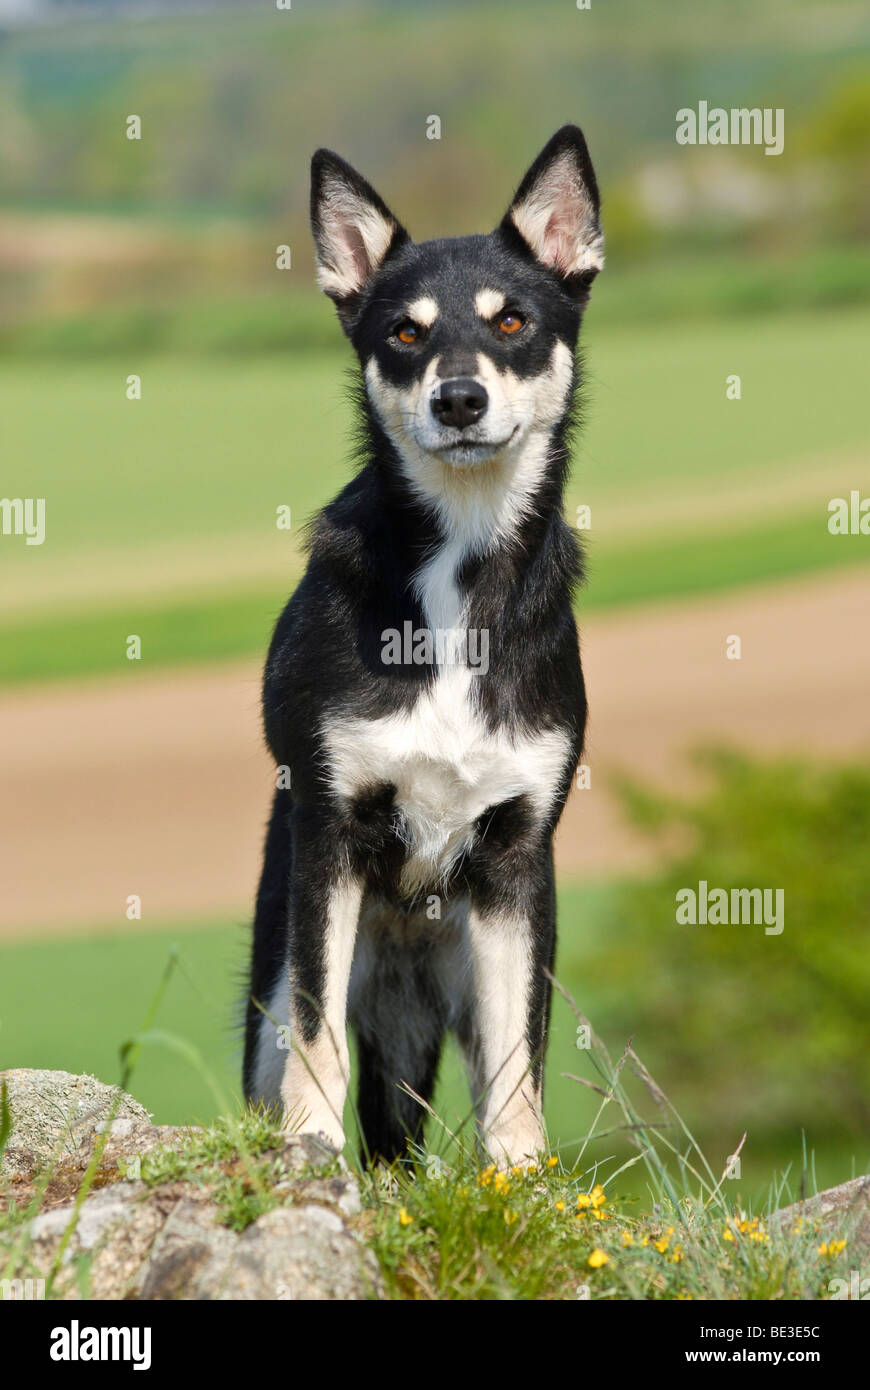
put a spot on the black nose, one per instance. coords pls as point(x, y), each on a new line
point(459, 402)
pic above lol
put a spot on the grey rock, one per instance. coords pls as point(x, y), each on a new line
point(192, 1246)
point(98, 1215)
point(843, 1213)
point(303, 1252)
point(167, 1242)
point(53, 1112)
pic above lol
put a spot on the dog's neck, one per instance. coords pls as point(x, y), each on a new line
point(495, 519)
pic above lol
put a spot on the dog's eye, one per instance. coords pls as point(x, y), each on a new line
point(511, 323)
point(407, 331)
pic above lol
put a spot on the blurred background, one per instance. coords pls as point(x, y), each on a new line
point(135, 791)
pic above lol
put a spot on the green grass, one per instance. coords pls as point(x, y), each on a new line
point(225, 625)
point(718, 285)
point(669, 467)
point(214, 446)
point(556, 1229)
point(70, 1004)
point(455, 1228)
point(210, 450)
point(210, 629)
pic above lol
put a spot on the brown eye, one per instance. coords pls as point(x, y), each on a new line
point(511, 323)
point(407, 332)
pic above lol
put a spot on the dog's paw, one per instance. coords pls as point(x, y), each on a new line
point(323, 1127)
point(517, 1144)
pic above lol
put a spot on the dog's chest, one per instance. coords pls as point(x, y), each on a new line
point(448, 768)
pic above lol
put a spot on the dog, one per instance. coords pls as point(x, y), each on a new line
point(407, 886)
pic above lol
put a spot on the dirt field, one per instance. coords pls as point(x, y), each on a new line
point(159, 786)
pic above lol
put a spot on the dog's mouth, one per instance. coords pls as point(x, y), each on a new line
point(462, 450)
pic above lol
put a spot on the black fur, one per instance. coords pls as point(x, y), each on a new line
point(325, 661)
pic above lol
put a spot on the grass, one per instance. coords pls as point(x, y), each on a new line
point(235, 1157)
point(551, 1230)
point(456, 1228)
point(90, 988)
point(221, 626)
point(202, 1003)
point(160, 514)
point(718, 285)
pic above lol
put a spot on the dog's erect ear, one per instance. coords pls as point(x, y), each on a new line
point(354, 231)
point(555, 209)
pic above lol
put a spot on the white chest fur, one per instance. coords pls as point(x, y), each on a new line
point(446, 765)
point(447, 769)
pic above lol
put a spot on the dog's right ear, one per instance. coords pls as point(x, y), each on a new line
point(354, 230)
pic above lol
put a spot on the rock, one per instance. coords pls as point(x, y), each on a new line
point(843, 1212)
point(308, 1151)
point(53, 1112)
point(303, 1252)
point(98, 1216)
point(167, 1241)
point(191, 1249)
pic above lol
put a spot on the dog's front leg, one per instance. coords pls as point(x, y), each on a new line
point(324, 907)
point(510, 952)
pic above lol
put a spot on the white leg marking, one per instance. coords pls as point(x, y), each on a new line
point(510, 1108)
point(316, 1075)
point(270, 1057)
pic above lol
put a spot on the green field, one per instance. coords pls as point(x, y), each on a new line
point(72, 1004)
point(95, 991)
point(160, 513)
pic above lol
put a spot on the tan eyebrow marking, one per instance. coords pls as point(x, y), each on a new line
point(423, 311)
point(488, 303)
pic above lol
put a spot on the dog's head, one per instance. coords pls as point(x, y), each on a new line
point(466, 345)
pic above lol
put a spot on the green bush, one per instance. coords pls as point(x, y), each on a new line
point(753, 1031)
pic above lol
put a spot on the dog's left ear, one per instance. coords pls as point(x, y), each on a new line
point(555, 210)
point(354, 230)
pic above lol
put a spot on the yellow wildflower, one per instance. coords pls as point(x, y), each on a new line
point(597, 1259)
point(405, 1217)
point(833, 1247)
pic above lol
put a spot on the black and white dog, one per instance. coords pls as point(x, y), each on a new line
point(423, 685)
